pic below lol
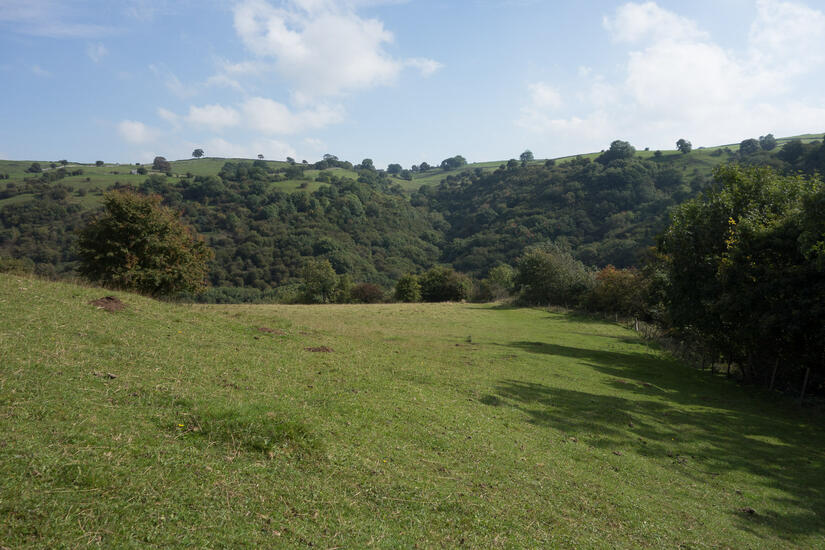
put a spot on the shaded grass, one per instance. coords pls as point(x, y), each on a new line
point(436, 425)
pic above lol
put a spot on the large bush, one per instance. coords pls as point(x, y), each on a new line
point(137, 244)
point(617, 292)
point(408, 289)
point(367, 293)
point(444, 284)
point(549, 275)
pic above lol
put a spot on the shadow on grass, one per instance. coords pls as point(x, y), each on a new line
point(705, 426)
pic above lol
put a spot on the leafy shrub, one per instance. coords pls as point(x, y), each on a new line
point(137, 244)
point(616, 292)
point(408, 289)
point(549, 275)
point(367, 293)
point(444, 284)
point(16, 266)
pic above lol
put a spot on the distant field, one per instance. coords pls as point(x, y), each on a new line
point(387, 426)
point(699, 161)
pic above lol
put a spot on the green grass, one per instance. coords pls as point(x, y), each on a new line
point(436, 425)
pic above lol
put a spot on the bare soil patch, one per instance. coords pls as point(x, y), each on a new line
point(109, 303)
point(272, 331)
point(320, 349)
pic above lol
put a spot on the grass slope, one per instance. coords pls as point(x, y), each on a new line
point(436, 425)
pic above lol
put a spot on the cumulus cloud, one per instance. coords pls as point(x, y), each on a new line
point(271, 117)
point(678, 82)
point(544, 95)
point(322, 47)
point(633, 22)
point(136, 132)
point(215, 117)
point(257, 114)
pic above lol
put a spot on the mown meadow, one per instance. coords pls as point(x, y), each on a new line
point(387, 426)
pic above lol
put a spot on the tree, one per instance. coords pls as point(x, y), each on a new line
point(34, 168)
point(367, 293)
point(526, 157)
point(617, 291)
point(290, 160)
point(197, 153)
point(260, 156)
point(549, 275)
point(684, 146)
point(767, 143)
point(161, 165)
point(443, 284)
point(367, 164)
point(749, 147)
point(423, 167)
point(453, 163)
point(137, 244)
point(64, 162)
point(618, 150)
point(394, 169)
point(407, 289)
point(743, 280)
point(319, 282)
point(98, 163)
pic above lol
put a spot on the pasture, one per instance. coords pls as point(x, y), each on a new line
point(387, 426)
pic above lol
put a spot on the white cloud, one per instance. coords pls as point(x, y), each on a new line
point(172, 82)
point(96, 51)
point(544, 95)
point(633, 22)
point(678, 82)
point(271, 117)
point(424, 65)
point(136, 132)
point(168, 116)
point(39, 71)
point(215, 117)
point(787, 37)
point(322, 47)
point(222, 80)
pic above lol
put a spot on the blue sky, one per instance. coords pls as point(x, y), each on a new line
point(400, 81)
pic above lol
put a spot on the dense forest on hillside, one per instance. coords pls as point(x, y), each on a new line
point(608, 209)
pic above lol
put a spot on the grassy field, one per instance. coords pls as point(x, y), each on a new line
point(384, 426)
point(94, 178)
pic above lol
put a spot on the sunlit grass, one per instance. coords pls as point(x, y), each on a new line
point(437, 425)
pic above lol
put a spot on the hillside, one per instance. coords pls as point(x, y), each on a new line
point(264, 219)
point(387, 426)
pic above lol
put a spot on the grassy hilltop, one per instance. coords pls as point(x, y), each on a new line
point(384, 426)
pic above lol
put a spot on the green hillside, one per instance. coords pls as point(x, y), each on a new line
point(384, 426)
point(265, 219)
